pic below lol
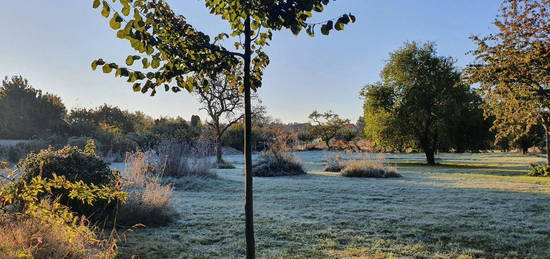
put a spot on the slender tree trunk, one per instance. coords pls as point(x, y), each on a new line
point(219, 159)
point(547, 131)
point(248, 203)
point(327, 142)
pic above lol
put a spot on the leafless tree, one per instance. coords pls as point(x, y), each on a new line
point(224, 104)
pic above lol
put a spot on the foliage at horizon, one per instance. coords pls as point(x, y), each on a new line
point(27, 112)
point(328, 125)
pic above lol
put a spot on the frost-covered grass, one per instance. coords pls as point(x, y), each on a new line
point(490, 210)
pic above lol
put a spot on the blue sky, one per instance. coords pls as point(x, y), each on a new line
point(53, 42)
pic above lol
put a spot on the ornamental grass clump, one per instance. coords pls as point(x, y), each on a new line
point(277, 161)
point(186, 159)
point(334, 164)
point(149, 201)
point(369, 167)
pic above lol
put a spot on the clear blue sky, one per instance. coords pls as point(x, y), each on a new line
point(52, 42)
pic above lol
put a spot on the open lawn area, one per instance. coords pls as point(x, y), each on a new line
point(489, 210)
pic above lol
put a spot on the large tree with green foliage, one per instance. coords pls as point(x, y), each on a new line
point(26, 112)
point(175, 53)
point(513, 68)
point(419, 102)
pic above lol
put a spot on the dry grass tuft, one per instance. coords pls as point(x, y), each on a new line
point(23, 236)
point(149, 199)
point(334, 164)
point(186, 159)
point(272, 164)
point(369, 167)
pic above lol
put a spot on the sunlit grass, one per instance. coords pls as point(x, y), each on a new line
point(456, 211)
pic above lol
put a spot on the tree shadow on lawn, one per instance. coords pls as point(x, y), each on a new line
point(326, 216)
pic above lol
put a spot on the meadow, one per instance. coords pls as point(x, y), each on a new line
point(469, 206)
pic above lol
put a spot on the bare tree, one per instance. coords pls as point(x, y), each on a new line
point(224, 105)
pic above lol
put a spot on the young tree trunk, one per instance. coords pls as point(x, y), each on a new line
point(327, 142)
point(547, 131)
point(248, 203)
point(219, 159)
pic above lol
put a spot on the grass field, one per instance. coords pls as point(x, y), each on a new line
point(474, 205)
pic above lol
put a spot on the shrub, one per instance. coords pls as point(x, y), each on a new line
point(32, 225)
point(273, 163)
point(276, 160)
point(74, 164)
point(334, 164)
point(369, 167)
point(186, 159)
point(539, 170)
point(70, 162)
point(149, 200)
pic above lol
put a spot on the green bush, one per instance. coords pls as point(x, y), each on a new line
point(539, 170)
point(75, 165)
point(34, 224)
point(71, 162)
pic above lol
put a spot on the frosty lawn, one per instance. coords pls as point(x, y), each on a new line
point(478, 205)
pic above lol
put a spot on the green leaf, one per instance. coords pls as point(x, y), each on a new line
point(310, 31)
point(136, 87)
point(130, 60)
point(106, 11)
point(145, 62)
point(126, 10)
point(115, 22)
point(107, 69)
point(155, 63)
point(295, 30)
point(339, 26)
point(96, 3)
point(94, 65)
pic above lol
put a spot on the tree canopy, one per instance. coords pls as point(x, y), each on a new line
point(512, 67)
point(26, 112)
point(327, 126)
point(420, 101)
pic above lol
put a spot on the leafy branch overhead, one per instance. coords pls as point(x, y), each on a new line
point(173, 55)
